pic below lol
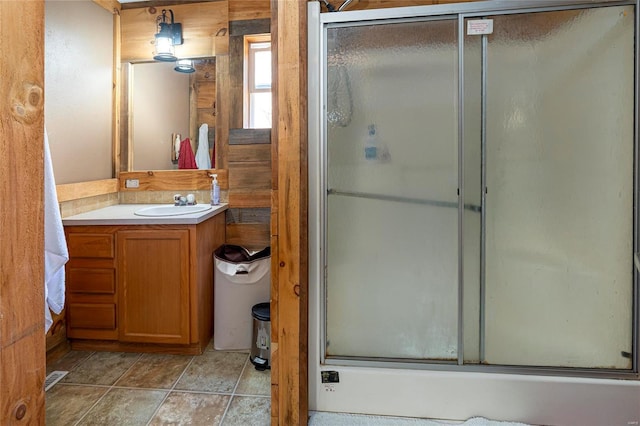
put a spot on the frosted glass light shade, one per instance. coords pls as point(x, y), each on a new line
point(185, 66)
point(165, 50)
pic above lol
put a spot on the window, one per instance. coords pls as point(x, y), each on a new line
point(257, 82)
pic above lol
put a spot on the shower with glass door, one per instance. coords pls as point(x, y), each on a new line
point(476, 189)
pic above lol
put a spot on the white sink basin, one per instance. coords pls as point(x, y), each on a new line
point(164, 210)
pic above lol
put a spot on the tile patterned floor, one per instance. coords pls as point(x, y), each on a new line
point(112, 388)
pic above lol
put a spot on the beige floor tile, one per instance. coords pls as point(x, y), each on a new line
point(125, 407)
point(254, 382)
point(213, 372)
point(185, 408)
point(68, 361)
point(66, 404)
point(247, 410)
point(101, 368)
point(155, 371)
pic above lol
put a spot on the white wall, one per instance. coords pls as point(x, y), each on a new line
point(78, 89)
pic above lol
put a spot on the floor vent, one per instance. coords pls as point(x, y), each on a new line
point(53, 378)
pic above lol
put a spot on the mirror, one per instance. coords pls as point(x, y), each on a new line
point(161, 104)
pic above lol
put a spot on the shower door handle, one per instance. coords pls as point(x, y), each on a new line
point(636, 261)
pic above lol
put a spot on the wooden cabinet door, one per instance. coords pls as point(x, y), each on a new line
point(153, 285)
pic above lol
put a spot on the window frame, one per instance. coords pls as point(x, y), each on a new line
point(249, 73)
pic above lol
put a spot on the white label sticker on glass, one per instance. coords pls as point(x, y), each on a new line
point(479, 26)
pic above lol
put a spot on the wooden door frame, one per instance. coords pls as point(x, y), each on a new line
point(22, 335)
point(289, 246)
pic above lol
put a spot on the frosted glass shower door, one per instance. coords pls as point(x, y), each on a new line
point(559, 178)
point(391, 203)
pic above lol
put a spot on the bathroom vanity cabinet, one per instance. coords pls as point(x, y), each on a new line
point(146, 287)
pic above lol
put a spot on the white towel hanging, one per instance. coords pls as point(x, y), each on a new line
point(56, 254)
point(203, 161)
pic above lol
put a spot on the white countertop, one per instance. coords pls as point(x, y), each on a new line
point(123, 214)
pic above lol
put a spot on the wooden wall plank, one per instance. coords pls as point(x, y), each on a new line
point(74, 191)
point(22, 341)
point(236, 81)
point(201, 23)
point(247, 153)
point(123, 154)
point(274, 285)
point(275, 277)
point(249, 215)
point(222, 113)
point(203, 108)
point(274, 96)
point(290, 118)
point(250, 26)
point(117, 90)
point(221, 42)
point(250, 175)
point(110, 5)
point(205, 70)
point(253, 236)
point(249, 9)
point(252, 198)
point(168, 180)
point(208, 116)
point(249, 136)
point(206, 94)
point(158, 3)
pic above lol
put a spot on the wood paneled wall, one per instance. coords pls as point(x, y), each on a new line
point(249, 164)
point(22, 343)
point(248, 152)
point(242, 10)
point(203, 110)
point(201, 23)
point(167, 180)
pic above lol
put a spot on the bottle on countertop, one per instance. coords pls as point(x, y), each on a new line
point(215, 191)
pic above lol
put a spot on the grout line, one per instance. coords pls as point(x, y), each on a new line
point(171, 390)
point(82, 384)
point(108, 390)
point(251, 395)
point(246, 361)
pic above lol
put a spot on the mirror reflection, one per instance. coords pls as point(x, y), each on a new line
point(165, 105)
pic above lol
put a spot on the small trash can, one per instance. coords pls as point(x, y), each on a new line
point(261, 342)
point(241, 280)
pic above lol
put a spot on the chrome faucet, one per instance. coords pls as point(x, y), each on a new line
point(181, 200)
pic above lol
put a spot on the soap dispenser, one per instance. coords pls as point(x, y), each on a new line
point(215, 191)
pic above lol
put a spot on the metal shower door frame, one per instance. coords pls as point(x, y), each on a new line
point(317, 74)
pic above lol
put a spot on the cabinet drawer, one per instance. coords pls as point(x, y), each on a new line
point(91, 245)
point(90, 315)
point(91, 280)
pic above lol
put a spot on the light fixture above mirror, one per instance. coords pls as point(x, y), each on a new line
point(169, 35)
point(185, 66)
